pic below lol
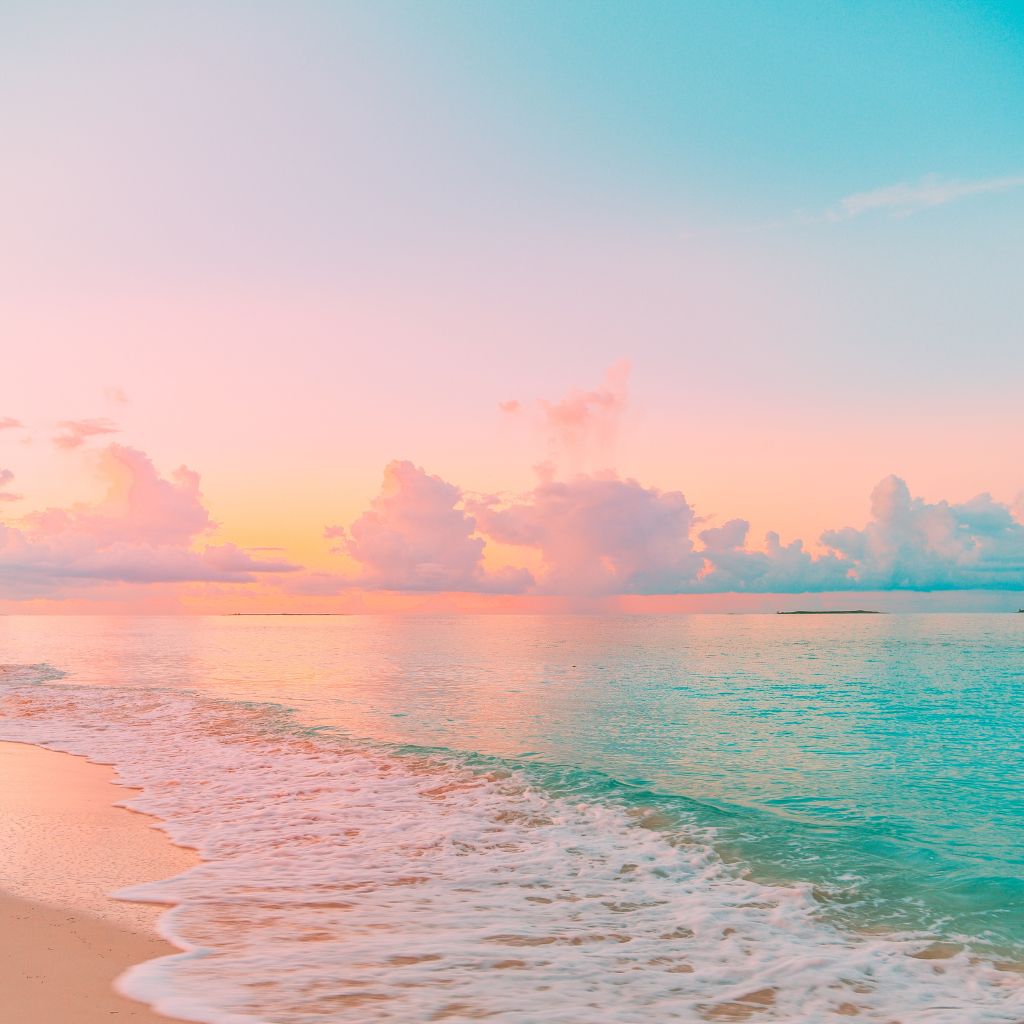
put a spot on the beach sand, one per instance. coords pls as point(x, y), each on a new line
point(63, 848)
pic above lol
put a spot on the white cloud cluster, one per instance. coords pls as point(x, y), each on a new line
point(599, 535)
point(779, 568)
point(911, 544)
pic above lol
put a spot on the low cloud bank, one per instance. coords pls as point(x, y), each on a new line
point(591, 535)
point(603, 535)
point(142, 531)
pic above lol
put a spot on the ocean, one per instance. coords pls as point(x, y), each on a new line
point(561, 818)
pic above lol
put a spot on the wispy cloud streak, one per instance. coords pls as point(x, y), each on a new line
point(74, 433)
point(906, 198)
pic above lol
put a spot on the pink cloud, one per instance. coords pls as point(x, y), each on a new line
point(6, 476)
point(9, 423)
point(140, 506)
point(601, 535)
point(336, 533)
point(73, 433)
point(583, 424)
point(417, 536)
point(142, 531)
point(583, 413)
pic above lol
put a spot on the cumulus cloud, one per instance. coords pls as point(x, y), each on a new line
point(778, 568)
point(601, 535)
point(6, 476)
point(905, 198)
point(9, 423)
point(140, 506)
point(908, 544)
point(142, 531)
point(74, 433)
point(417, 536)
point(911, 544)
point(597, 535)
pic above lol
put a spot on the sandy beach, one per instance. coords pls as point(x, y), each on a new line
point(64, 847)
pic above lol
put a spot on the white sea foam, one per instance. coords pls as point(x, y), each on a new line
point(20, 675)
point(347, 883)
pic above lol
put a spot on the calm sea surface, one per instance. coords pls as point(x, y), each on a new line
point(877, 760)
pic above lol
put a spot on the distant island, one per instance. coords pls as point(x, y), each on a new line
point(833, 611)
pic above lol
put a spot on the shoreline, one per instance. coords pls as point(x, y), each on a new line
point(693, 958)
point(64, 847)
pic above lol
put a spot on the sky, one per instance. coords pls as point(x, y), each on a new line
point(500, 306)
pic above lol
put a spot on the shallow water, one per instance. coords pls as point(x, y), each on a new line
point(805, 800)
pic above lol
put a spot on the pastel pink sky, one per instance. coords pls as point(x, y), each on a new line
point(573, 308)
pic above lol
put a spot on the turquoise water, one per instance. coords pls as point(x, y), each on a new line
point(879, 757)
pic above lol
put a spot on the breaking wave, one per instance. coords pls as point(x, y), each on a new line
point(346, 881)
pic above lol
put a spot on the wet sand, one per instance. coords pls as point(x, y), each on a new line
point(64, 848)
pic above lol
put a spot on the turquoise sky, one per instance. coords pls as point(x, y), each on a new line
point(763, 107)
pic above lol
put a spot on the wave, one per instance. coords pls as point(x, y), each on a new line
point(343, 881)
